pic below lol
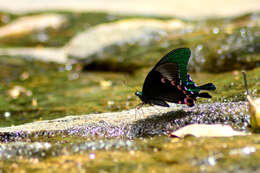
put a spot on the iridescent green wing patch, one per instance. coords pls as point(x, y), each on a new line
point(180, 57)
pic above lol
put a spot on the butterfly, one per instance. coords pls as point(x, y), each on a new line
point(168, 81)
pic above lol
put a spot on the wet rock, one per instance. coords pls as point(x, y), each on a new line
point(106, 38)
point(28, 24)
point(104, 124)
point(135, 43)
point(148, 121)
point(228, 50)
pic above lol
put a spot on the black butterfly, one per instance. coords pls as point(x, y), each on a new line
point(168, 81)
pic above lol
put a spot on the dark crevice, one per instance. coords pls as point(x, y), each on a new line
point(112, 67)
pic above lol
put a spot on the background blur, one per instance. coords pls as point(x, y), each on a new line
point(185, 8)
point(76, 57)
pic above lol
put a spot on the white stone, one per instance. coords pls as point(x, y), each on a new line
point(207, 130)
point(44, 54)
point(27, 24)
point(130, 31)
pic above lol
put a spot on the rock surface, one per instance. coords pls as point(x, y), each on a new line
point(28, 24)
point(44, 54)
point(147, 121)
point(131, 31)
point(98, 39)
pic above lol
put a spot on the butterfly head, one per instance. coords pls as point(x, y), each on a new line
point(139, 94)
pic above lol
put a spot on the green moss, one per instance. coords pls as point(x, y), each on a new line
point(57, 92)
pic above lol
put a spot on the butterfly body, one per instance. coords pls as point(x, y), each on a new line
point(168, 81)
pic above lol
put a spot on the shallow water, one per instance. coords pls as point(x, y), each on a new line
point(158, 154)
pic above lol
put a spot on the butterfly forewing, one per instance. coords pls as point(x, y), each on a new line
point(180, 57)
point(170, 71)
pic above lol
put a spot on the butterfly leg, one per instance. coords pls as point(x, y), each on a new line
point(139, 106)
point(142, 115)
point(136, 112)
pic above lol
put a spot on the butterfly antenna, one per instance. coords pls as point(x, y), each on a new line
point(125, 84)
point(129, 88)
point(245, 81)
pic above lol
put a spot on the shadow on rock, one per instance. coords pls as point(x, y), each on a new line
point(234, 114)
point(157, 124)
